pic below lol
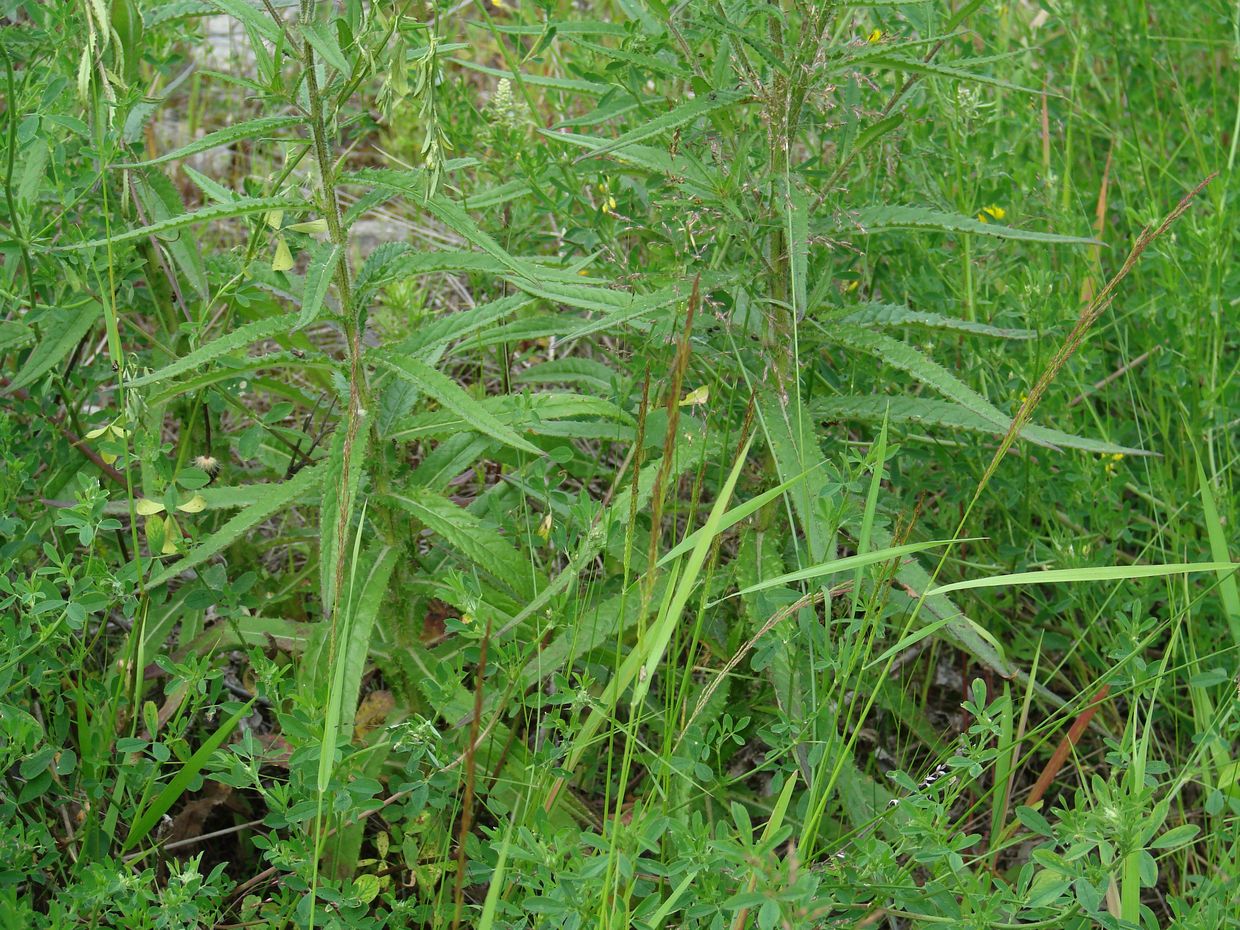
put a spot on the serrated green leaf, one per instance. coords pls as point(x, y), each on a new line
point(691, 174)
point(213, 189)
point(176, 9)
point(238, 338)
point(535, 413)
point(679, 116)
point(569, 85)
point(903, 356)
point(235, 368)
point(570, 370)
point(318, 278)
point(274, 499)
point(453, 397)
point(877, 314)
point(251, 16)
point(250, 129)
point(952, 416)
point(62, 330)
point(339, 494)
point(14, 334)
point(651, 63)
point(162, 201)
point(878, 219)
point(364, 598)
point(322, 38)
point(934, 68)
point(451, 327)
point(219, 211)
point(463, 225)
point(461, 530)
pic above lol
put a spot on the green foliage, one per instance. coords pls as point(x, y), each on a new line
point(483, 466)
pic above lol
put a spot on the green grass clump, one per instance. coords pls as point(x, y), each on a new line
point(702, 465)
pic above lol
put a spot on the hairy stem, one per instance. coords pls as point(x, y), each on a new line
point(352, 318)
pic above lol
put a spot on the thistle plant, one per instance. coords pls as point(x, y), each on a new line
point(508, 465)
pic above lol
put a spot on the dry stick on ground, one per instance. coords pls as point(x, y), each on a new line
point(1065, 746)
point(683, 350)
point(1100, 222)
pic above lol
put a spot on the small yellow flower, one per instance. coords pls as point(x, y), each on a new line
point(696, 397)
point(1111, 461)
point(544, 528)
point(993, 212)
point(875, 36)
point(110, 429)
point(310, 227)
point(284, 258)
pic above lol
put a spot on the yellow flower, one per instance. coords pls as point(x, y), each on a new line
point(284, 258)
point(875, 36)
point(993, 212)
point(1109, 468)
point(110, 429)
point(696, 397)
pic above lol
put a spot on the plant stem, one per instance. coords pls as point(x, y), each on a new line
point(352, 319)
point(8, 177)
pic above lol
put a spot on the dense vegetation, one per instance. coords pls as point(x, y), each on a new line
point(712, 464)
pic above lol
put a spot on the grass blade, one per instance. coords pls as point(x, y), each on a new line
point(1074, 575)
point(175, 788)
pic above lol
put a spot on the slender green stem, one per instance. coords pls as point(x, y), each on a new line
point(8, 177)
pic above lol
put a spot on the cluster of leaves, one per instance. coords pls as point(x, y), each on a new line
point(548, 561)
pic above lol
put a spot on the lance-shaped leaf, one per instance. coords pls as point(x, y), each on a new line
point(318, 279)
point(238, 338)
point(903, 356)
point(219, 211)
point(679, 116)
point(453, 397)
point(336, 511)
point(250, 129)
point(886, 218)
point(464, 532)
point(878, 314)
point(62, 330)
point(274, 499)
point(872, 408)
